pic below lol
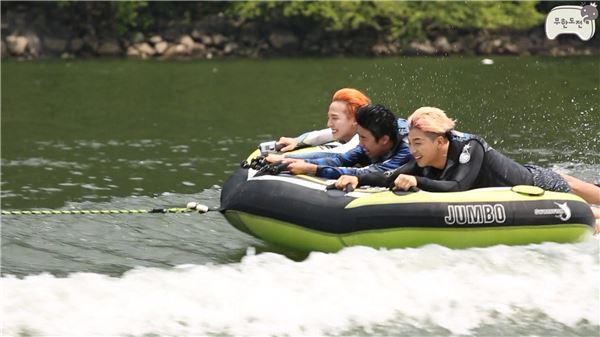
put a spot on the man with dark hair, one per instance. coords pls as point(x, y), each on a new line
point(381, 148)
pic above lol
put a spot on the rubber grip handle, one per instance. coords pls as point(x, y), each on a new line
point(348, 188)
point(330, 187)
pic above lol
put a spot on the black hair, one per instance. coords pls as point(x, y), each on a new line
point(379, 120)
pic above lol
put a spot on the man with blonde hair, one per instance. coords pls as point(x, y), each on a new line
point(443, 164)
point(431, 119)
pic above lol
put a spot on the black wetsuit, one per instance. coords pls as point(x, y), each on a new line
point(471, 164)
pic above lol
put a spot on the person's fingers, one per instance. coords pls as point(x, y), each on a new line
point(355, 183)
point(290, 143)
point(340, 183)
point(287, 148)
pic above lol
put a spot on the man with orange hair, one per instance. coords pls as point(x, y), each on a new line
point(341, 123)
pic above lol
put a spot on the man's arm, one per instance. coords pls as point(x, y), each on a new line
point(401, 157)
point(386, 179)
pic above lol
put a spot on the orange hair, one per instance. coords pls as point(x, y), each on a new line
point(430, 119)
point(353, 98)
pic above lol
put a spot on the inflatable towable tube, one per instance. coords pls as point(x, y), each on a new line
point(299, 213)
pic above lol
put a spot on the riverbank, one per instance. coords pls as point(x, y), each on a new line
point(199, 44)
point(26, 36)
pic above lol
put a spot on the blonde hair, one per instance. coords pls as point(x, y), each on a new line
point(430, 119)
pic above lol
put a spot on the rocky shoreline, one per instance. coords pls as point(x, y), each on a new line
point(216, 37)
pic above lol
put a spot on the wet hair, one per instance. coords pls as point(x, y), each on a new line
point(353, 98)
point(379, 120)
point(430, 119)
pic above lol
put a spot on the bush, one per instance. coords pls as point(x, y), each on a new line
point(394, 20)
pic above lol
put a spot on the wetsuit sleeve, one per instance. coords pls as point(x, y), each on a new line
point(339, 164)
point(463, 178)
point(401, 156)
point(386, 179)
point(350, 158)
point(311, 155)
point(317, 137)
point(337, 150)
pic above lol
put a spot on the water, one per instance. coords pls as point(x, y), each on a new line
point(130, 135)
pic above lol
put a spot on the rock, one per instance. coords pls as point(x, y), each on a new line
point(230, 47)
point(511, 48)
point(522, 43)
point(34, 45)
point(55, 45)
point(197, 34)
point(16, 45)
point(557, 51)
point(133, 52)
point(458, 46)
point(109, 48)
point(76, 44)
point(187, 41)
point(198, 49)
point(206, 40)
point(421, 48)
point(380, 49)
point(145, 49)
point(284, 40)
point(176, 51)
point(489, 46)
point(442, 45)
point(156, 39)
point(219, 39)
point(547, 43)
point(161, 47)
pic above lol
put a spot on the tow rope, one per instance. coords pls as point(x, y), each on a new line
point(191, 207)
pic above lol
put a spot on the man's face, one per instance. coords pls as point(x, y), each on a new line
point(373, 148)
point(339, 121)
point(423, 148)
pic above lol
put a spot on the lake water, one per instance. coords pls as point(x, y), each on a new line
point(138, 135)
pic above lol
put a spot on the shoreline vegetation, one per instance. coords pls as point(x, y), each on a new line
point(208, 30)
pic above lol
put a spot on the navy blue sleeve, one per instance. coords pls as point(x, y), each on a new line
point(355, 156)
point(312, 155)
point(401, 157)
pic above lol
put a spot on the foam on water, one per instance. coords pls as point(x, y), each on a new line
point(431, 287)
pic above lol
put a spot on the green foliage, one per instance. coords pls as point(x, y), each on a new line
point(396, 20)
point(127, 15)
